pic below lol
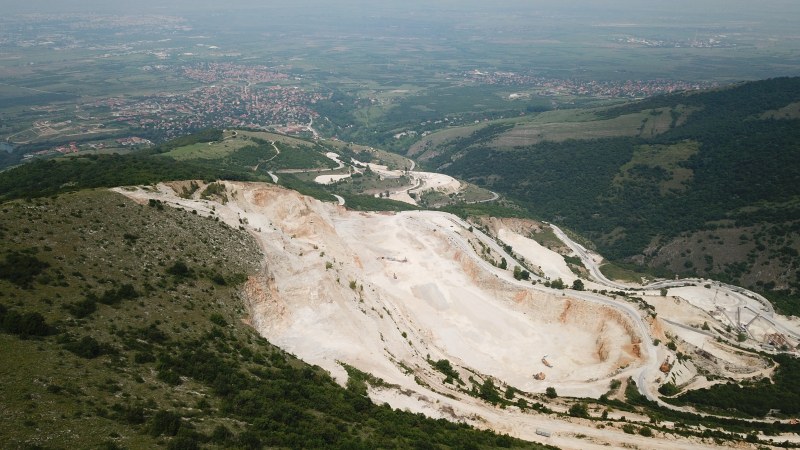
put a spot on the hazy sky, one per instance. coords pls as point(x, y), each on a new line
point(543, 33)
point(705, 7)
point(772, 18)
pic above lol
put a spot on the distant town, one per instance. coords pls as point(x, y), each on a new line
point(234, 96)
point(262, 97)
point(718, 41)
point(631, 89)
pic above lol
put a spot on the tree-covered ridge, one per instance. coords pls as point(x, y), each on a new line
point(743, 170)
point(49, 177)
point(742, 100)
point(755, 398)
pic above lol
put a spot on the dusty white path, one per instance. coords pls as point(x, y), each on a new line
point(328, 179)
point(335, 157)
point(421, 182)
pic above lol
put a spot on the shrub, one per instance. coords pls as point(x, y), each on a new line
point(520, 274)
point(217, 319)
point(444, 366)
point(551, 392)
point(578, 410)
point(632, 394)
point(168, 376)
point(489, 392)
point(143, 357)
point(25, 324)
point(510, 392)
point(218, 279)
point(165, 422)
point(83, 308)
point(183, 443)
point(21, 268)
point(132, 414)
point(668, 389)
point(221, 434)
point(249, 440)
point(87, 347)
point(179, 270)
point(114, 296)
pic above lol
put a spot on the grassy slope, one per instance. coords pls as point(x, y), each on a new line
point(173, 364)
point(553, 126)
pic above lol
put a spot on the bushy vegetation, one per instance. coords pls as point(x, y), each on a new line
point(21, 268)
point(578, 410)
point(370, 203)
point(86, 347)
point(784, 300)
point(550, 392)
point(45, 178)
point(23, 324)
point(755, 398)
point(290, 181)
point(493, 209)
point(310, 156)
point(447, 369)
point(482, 136)
point(520, 274)
point(213, 190)
point(668, 389)
point(693, 424)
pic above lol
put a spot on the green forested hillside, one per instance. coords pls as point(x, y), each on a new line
point(716, 194)
point(121, 327)
point(43, 178)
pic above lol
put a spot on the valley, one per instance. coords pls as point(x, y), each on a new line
point(512, 325)
point(431, 225)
